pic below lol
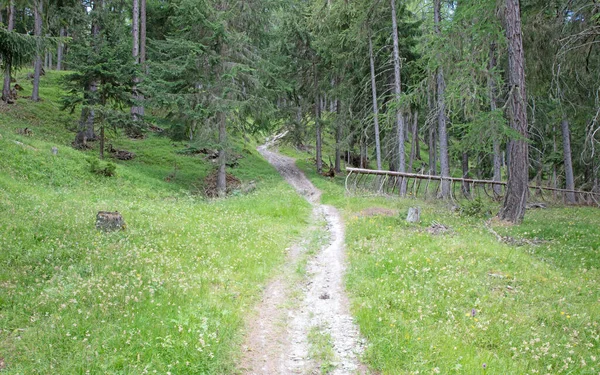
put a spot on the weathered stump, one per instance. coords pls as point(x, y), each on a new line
point(414, 215)
point(109, 221)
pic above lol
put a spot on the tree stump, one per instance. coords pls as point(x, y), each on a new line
point(414, 215)
point(109, 221)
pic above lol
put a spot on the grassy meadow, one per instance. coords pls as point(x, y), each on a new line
point(462, 302)
point(168, 295)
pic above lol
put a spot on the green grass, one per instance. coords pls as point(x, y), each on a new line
point(321, 349)
point(455, 302)
point(167, 295)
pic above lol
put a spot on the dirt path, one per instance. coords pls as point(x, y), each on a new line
point(294, 310)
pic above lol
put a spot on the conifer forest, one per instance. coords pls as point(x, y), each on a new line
point(300, 187)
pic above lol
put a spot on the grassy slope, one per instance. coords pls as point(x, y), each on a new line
point(536, 308)
point(169, 294)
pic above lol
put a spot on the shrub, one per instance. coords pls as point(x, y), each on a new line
point(106, 169)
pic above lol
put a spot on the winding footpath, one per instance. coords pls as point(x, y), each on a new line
point(277, 340)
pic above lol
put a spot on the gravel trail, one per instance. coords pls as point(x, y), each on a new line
point(277, 340)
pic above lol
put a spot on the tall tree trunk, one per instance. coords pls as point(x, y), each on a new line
point(140, 96)
point(50, 60)
point(135, 35)
point(135, 31)
point(416, 136)
point(60, 49)
point(398, 91)
point(37, 12)
point(222, 176)
point(441, 112)
point(86, 130)
point(517, 190)
point(338, 137)
point(363, 150)
point(414, 144)
point(318, 122)
point(465, 173)
point(569, 179)
point(375, 106)
point(432, 152)
point(10, 15)
point(493, 107)
point(102, 142)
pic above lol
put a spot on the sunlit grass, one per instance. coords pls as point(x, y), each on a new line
point(167, 295)
point(464, 303)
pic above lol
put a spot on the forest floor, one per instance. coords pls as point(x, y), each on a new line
point(303, 324)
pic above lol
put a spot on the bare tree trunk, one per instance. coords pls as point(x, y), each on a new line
point(318, 123)
point(416, 136)
point(135, 33)
point(135, 30)
point(398, 92)
point(465, 173)
point(140, 98)
point(37, 12)
point(363, 151)
point(517, 188)
point(569, 179)
point(59, 51)
point(102, 142)
point(6, 94)
point(441, 112)
point(338, 137)
point(50, 60)
point(375, 105)
point(494, 106)
point(432, 152)
point(222, 176)
point(414, 144)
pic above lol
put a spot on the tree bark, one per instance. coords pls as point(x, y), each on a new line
point(222, 176)
point(318, 142)
point(375, 106)
point(135, 34)
point(50, 60)
point(338, 137)
point(60, 49)
point(465, 173)
point(142, 53)
point(414, 144)
point(398, 92)
point(497, 167)
point(135, 30)
point(441, 112)
point(10, 15)
point(432, 152)
point(37, 12)
point(517, 190)
point(102, 142)
point(569, 179)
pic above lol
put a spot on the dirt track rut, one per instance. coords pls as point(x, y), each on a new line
point(277, 340)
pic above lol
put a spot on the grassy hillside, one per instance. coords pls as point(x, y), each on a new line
point(168, 294)
point(462, 302)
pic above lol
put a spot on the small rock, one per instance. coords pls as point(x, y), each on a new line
point(54, 150)
point(325, 295)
